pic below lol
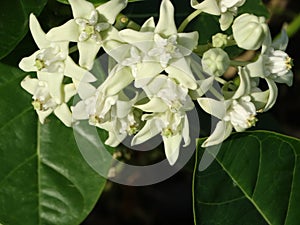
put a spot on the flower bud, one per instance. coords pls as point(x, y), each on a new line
point(249, 31)
point(219, 40)
point(215, 61)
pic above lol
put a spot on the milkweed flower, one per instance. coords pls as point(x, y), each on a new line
point(52, 61)
point(226, 9)
point(166, 115)
point(44, 104)
point(90, 28)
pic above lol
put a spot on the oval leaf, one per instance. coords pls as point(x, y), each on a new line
point(254, 179)
point(43, 177)
point(14, 16)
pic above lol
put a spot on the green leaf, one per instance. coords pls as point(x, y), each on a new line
point(43, 177)
point(256, 7)
point(254, 179)
point(95, 2)
point(14, 16)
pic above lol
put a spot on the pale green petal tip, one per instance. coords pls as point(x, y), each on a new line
point(172, 146)
point(208, 6)
point(166, 24)
point(38, 34)
point(221, 132)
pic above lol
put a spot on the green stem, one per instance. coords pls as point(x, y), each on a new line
point(188, 20)
point(73, 49)
point(294, 26)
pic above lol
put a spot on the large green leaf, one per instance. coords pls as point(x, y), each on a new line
point(14, 15)
point(43, 177)
point(95, 2)
point(254, 179)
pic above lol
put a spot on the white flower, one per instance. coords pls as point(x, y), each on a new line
point(90, 27)
point(45, 104)
point(250, 31)
point(168, 103)
point(165, 48)
point(161, 48)
point(241, 114)
point(226, 8)
point(234, 113)
point(237, 112)
point(52, 62)
point(215, 61)
point(273, 63)
point(113, 113)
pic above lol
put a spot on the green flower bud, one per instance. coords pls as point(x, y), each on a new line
point(219, 40)
point(215, 61)
point(249, 31)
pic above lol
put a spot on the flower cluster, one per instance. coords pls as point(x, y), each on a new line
point(158, 63)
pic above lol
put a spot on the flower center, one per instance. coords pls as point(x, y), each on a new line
point(94, 119)
point(132, 129)
point(167, 132)
point(50, 60)
point(91, 28)
point(37, 104)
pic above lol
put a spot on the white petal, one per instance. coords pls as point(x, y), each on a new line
point(148, 26)
point(186, 132)
point(166, 24)
point(203, 87)
point(181, 71)
point(146, 71)
point(245, 84)
point(28, 63)
point(111, 9)
point(226, 20)
point(154, 105)
point(69, 91)
point(115, 138)
point(208, 6)
point(213, 107)
point(221, 132)
point(141, 40)
point(188, 41)
point(79, 111)
point(257, 68)
point(87, 53)
point(172, 146)
point(43, 115)
point(117, 81)
point(63, 113)
point(29, 84)
point(81, 8)
point(272, 95)
point(86, 90)
point(38, 34)
point(148, 131)
point(76, 72)
point(54, 81)
point(66, 32)
point(260, 99)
